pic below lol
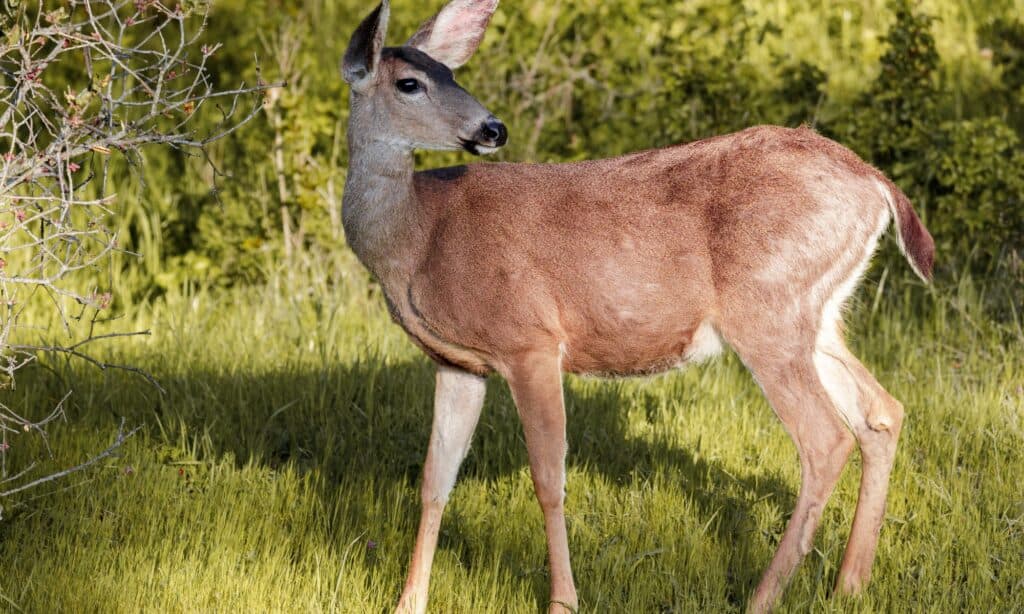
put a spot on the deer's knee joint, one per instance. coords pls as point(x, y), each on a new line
point(885, 414)
point(550, 490)
point(550, 496)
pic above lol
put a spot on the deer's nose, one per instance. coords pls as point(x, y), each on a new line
point(494, 132)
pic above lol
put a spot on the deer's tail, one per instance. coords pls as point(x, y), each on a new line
point(914, 239)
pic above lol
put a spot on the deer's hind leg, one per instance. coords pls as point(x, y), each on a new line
point(875, 418)
point(791, 382)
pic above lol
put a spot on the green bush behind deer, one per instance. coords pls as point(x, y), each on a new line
point(933, 94)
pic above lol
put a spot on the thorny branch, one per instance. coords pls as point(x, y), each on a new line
point(85, 84)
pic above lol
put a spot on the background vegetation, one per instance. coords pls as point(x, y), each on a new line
point(930, 92)
point(279, 470)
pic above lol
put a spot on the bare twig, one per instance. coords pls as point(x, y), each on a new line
point(71, 351)
point(122, 436)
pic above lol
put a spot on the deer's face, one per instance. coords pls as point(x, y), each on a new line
point(407, 95)
point(417, 103)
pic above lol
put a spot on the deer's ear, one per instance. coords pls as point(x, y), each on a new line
point(455, 32)
point(363, 54)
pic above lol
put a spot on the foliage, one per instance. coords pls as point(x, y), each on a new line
point(978, 186)
point(964, 173)
point(893, 120)
point(1005, 40)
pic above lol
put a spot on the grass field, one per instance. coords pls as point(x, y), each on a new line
point(279, 472)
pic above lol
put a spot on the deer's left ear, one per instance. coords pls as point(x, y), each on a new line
point(455, 32)
point(363, 53)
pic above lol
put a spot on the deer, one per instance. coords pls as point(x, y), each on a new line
point(625, 266)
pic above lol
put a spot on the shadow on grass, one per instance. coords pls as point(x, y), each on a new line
point(368, 423)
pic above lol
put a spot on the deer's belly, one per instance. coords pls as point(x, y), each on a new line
point(637, 333)
point(640, 351)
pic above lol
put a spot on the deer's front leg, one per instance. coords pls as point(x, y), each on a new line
point(536, 383)
point(458, 398)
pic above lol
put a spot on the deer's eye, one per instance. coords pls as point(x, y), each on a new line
point(408, 86)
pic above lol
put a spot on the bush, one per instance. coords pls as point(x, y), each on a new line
point(965, 174)
point(978, 188)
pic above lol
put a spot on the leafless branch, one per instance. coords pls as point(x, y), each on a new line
point(85, 84)
point(122, 436)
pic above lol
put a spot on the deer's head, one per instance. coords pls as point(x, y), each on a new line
point(407, 96)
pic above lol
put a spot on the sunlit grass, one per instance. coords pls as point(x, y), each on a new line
point(279, 472)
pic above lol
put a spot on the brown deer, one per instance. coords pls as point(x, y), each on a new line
point(626, 266)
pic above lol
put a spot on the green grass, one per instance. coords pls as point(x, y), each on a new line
point(279, 472)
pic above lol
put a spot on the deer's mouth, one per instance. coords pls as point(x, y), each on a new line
point(476, 148)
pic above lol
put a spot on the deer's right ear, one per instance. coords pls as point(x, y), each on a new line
point(363, 54)
point(453, 35)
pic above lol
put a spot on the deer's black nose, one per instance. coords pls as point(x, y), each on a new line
point(493, 132)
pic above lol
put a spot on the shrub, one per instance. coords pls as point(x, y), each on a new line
point(978, 188)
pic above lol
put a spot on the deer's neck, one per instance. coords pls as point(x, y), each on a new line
point(380, 210)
